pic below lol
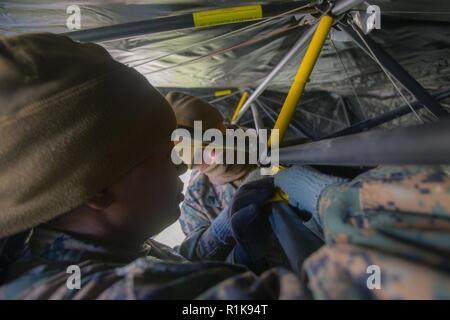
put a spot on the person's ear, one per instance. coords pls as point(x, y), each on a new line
point(101, 200)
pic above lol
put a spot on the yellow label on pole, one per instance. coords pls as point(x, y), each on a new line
point(228, 15)
point(222, 93)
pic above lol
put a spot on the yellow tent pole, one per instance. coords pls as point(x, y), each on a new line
point(240, 104)
point(222, 93)
point(297, 87)
point(302, 76)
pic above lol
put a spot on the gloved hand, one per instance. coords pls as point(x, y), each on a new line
point(249, 224)
point(217, 239)
point(255, 193)
point(304, 185)
point(249, 198)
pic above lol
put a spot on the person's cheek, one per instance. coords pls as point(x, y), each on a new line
point(175, 183)
point(165, 188)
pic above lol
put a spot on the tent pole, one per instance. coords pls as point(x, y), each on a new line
point(396, 71)
point(185, 21)
point(424, 144)
point(298, 46)
point(272, 115)
point(302, 76)
point(259, 124)
point(340, 7)
point(385, 117)
point(239, 105)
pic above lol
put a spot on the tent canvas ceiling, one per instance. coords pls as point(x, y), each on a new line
point(415, 32)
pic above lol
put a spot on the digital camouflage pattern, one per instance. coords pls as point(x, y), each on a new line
point(153, 271)
point(203, 202)
point(396, 218)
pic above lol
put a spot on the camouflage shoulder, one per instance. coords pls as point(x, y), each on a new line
point(352, 272)
point(402, 210)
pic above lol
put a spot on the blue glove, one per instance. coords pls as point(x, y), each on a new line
point(247, 199)
point(221, 227)
point(217, 240)
point(249, 224)
point(246, 206)
point(304, 186)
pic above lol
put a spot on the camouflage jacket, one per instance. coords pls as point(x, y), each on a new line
point(203, 203)
point(392, 223)
point(152, 271)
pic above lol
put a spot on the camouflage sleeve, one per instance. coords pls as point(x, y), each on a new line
point(207, 230)
point(274, 284)
point(153, 278)
point(213, 242)
point(193, 216)
point(394, 218)
point(353, 272)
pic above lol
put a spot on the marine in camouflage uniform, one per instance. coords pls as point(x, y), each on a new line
point(211, 187)
point(204, 201)
point(93, 180)
point(395, 218)
point(62, 144)
point(207, 238)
